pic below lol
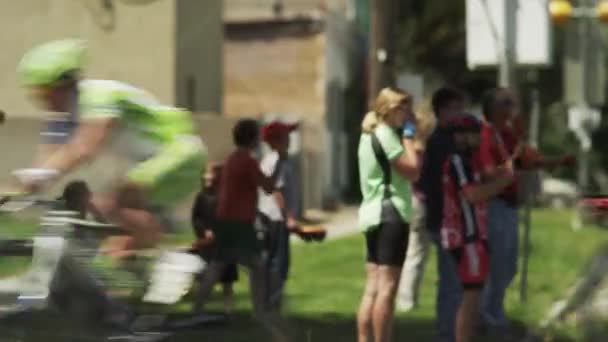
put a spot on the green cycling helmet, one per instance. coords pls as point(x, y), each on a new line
point(48, 63)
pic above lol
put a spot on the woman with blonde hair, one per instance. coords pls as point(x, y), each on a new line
point(387, 165)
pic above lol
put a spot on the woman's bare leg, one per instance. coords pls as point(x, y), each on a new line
point(384, 305)
point(366, 308)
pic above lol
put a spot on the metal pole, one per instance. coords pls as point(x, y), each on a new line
point(534, 117)
point(382, 41)
point(584, 53)
point(506, 73)
point(529, 189)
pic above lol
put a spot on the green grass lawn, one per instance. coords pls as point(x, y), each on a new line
point(327, 281)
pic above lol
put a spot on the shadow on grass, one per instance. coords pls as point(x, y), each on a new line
point(240, 327)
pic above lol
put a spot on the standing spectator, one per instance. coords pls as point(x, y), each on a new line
point(446, 103)
point(500, 146)
point(463, 232)
point(276, 210)
point(419, 239)
point(387, 163)
point(203, 222)
point(235, 235)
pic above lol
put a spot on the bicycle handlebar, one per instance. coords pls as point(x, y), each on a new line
point(85, 224)
point(14, 202)
point(17, 201)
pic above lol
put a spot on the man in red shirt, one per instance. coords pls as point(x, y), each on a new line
point(235, 235)
point(498, 148)
point(463, 229)
point(501, 147)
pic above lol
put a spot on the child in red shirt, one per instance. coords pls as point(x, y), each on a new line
point(463, 231)
point(235, 238)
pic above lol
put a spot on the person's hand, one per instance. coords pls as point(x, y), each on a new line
point(507, 169)
point(29, 187)
point(519, 150)
point(207, 240)
point(34, 179)
point(408, 130)
point(293, 226)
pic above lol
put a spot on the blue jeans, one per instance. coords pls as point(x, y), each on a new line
point(449, 294)
point(279, 257)
point(503, 235)
point(278, 260)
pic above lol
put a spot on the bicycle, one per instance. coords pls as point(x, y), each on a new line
point(60, 279)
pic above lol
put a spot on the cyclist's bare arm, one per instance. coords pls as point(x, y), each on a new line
point(45, 152)
point(86, 143)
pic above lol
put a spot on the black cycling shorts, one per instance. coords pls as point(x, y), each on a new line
point(387, 244)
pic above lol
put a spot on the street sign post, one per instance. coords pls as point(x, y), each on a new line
point(490, 30)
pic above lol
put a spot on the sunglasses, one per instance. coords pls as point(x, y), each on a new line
point(506, 103)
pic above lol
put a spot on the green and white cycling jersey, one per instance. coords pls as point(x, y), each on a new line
point(144, 125)
point(158, 142)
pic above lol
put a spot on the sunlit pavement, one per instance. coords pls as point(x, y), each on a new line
point(340, 223)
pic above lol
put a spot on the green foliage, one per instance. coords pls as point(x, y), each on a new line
point(432, 40)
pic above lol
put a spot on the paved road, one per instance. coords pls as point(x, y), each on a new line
point(338, 224)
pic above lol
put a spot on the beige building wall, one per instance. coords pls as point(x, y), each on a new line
point(132, 43)
point(279, 75)
point(199, 55)
point(247, 10)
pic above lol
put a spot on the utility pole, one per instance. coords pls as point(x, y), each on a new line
point(383, 31)
point(530, 186)
point(506, 73)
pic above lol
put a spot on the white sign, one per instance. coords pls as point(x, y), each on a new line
point(485, 24)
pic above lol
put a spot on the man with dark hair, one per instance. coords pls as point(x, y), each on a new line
point(246, 133)
point(498, 147)
point(501, 148)
point(447, 103)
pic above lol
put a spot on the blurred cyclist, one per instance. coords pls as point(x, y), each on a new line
point(160, 144)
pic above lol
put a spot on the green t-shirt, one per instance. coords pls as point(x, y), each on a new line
point(145, 125)
point(139, 111)
point(371, 178)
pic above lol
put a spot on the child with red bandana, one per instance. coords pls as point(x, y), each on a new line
point(463, 231)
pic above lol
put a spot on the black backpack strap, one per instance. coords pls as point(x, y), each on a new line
point(461, 172)
point(384, 164)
